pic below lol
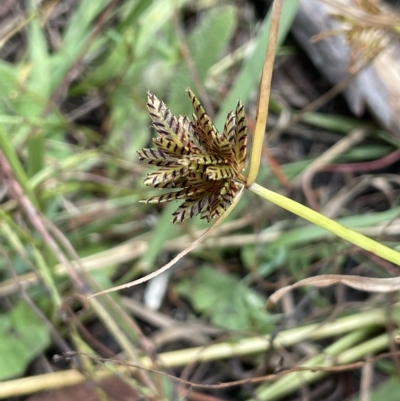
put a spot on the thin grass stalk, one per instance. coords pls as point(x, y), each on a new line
point(341, 352)
point(294, 381)
point(192, 246)
point(43, 270)
point(18, 27)
point(264, 94)
point(41, 225)
point(16, 167)
point(330, 225)
point(39, 84)
point(247, 346)
point(109, 318)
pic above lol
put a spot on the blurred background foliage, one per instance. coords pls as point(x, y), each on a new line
point(73, 83)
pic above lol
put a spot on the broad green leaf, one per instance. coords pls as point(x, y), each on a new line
point(226, 301)
point(262, 259)
point(22, 337)
point(8, 83)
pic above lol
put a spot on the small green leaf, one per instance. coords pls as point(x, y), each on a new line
point(264, 261)
point(226, 301)
point(22, 337)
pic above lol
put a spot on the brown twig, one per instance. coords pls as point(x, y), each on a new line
point(270, 377)
point(336, 150)
point(372, 165)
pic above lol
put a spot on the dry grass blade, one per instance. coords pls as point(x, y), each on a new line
point(367, 14)
point(368, 284)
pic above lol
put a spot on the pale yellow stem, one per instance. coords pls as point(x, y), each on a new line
point(264, 94)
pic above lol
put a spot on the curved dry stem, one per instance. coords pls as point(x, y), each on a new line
point(192, 246)
point(368, 284)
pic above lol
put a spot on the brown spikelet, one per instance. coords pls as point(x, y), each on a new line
point(203, 167)
point(239, 140)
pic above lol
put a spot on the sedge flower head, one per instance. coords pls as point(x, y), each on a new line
point(201, 166)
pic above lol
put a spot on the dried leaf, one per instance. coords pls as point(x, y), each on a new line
point(368, 284)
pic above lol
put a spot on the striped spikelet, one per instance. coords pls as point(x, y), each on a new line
point(203, 167)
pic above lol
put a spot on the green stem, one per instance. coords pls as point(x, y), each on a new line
point(330, 225)
point(35, 160)
point(295, 380)
point(343, 351)
point(16, 166)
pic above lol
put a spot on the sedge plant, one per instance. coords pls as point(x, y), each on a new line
point(205, 169)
